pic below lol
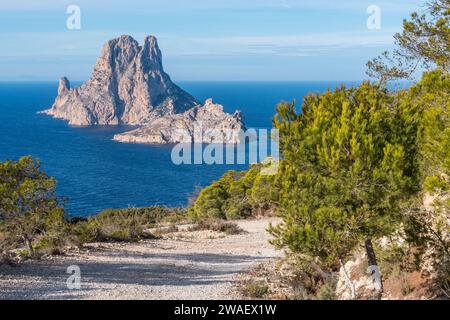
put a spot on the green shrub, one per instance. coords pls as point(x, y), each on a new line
point(219, 226)
point(435, 184)
point(254, 289)
point(327, 291)
point(49, 246)
point(3, 239)
point(29, 208)
point(210, 202)
point(3, 246)
point(236, 195)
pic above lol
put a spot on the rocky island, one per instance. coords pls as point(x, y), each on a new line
point(205, 124)
point(129, 86)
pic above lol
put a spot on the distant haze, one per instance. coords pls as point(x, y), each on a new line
point(202, 39)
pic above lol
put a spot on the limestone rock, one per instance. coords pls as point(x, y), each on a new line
point(201, 124)
point(128, 86)
point(362, 281)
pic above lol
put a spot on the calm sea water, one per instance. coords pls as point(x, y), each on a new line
point(94, 173)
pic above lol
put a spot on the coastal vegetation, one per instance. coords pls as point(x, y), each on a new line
point(33, 219)
point(130, 224)
point(348, 169)
point(364, 171)
point(217, 225)
point(30, 213)
point(361, 167)
point(238, 195)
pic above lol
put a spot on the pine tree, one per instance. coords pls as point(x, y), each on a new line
point(29, 207)
point(428, 224)
point(423, 42)
point(348, 166)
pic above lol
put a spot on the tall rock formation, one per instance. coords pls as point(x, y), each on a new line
point(128, 86)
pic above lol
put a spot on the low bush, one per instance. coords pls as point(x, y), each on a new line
point(327, 291)
point(130, 224)
point(254, 289)
point(237, 195)
point(218, 226)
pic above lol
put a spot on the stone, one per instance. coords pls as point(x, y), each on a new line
point(201, 124)
point(363, 283)
point(128, 86)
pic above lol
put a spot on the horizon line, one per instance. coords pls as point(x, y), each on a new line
point(206, 80)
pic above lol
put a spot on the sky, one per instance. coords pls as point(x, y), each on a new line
point(203, 40)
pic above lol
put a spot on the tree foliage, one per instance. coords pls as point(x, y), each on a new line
point(428, 226)
point(424, 41)
point(348, 167)
point(237, 195)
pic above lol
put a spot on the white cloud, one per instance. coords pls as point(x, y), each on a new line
point(88, 44)
point(283, 45)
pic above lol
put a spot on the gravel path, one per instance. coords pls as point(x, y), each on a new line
point(183, 265)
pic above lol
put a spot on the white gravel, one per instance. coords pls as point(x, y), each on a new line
point(181, 266)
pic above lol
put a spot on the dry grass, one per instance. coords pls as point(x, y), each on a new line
point(254, 289)
point(229, 228)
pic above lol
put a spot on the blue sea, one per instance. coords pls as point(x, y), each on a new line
point(95, 173)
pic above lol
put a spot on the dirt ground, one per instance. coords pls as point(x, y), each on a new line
point(182, 265)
